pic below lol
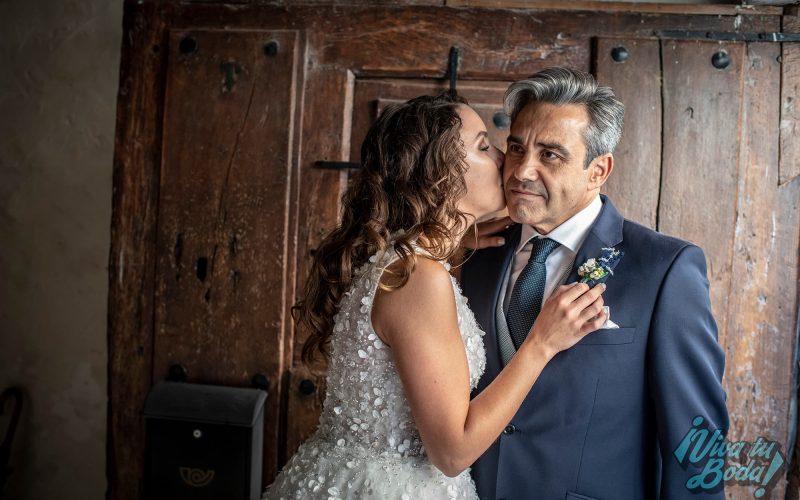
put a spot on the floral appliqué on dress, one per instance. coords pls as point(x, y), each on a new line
point(366, 444)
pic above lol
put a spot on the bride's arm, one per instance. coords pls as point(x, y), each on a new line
point(419, 322)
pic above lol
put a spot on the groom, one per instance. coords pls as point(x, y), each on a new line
point(605, 417)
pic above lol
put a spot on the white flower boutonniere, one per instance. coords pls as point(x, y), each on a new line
point(598, 270)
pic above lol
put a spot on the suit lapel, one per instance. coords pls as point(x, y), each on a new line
point(606, 231)
point(487, 269)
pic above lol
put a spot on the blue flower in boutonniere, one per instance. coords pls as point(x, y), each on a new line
point(595, 271)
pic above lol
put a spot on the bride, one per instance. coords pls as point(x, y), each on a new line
point(403, 348)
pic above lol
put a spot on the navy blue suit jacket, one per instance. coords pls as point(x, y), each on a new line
point(604, 417)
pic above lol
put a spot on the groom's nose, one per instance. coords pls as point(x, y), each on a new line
point(527, 168)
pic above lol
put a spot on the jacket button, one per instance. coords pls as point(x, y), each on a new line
point(510, 429)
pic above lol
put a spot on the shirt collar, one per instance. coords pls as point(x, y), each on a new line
point(571, 232)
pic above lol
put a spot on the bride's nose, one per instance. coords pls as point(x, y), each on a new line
point(499, 157)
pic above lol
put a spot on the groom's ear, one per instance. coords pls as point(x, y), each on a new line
point(599, 170)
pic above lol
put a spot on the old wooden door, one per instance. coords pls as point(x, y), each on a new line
point(223, 239)
point(698, 160)
point(710, 111)
point(225, 112)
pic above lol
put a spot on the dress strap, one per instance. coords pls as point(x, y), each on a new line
point(372, 271)
point(421, 250)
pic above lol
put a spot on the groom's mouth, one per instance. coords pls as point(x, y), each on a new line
point(525, 194)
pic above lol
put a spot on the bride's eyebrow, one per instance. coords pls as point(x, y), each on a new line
point(481, 134)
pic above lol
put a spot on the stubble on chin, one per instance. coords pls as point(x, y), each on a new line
point(523, 211)
point(522, 214)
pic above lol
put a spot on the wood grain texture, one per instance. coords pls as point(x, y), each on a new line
point(485, 108)
point(788, 170)
point(352, 45)
point(699, 166)
point(326, 136)
point(371, 95)
point(222, 227)
point(304, 409)
point(655, 8)
point(634, 182)
point(340, 3)
point(495, 44)
point(790, 105)
point(132, 255)
point(762, 305)
point(326, 133)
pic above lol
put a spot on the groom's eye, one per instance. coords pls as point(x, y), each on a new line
point(515, 148)
point(549, 155)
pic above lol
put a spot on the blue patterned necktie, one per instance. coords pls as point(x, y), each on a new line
point(526, 297)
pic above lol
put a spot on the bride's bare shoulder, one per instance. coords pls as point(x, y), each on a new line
point(428, 292)
point(427, 276)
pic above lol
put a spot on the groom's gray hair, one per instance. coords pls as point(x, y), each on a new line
point(569, 86)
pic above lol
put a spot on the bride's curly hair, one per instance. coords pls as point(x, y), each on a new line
point(411, 176)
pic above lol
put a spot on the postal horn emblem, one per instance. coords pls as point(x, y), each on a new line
point(197, 478)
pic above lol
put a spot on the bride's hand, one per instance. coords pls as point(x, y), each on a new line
point(567, 316)
point(484, 234)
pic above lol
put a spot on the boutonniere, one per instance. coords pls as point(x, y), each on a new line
point(598, 270)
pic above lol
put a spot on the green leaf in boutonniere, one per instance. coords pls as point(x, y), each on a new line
point(598, 270)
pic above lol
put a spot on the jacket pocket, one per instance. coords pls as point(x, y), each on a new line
point(609, 336)
point(577, 496)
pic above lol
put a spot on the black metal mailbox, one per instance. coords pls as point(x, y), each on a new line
point(203, 442)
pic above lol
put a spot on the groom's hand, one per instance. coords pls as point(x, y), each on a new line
point(484, 234)
point(569, 314)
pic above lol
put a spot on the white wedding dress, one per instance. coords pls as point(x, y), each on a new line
point(366, 444)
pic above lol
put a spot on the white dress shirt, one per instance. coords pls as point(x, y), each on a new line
point(570, 234)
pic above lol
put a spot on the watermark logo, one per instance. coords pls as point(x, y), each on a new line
point(743, 462)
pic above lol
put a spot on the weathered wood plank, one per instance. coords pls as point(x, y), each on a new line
point(654, 8)
point(344, 42)
point(634, 182)
point(293, 259)
point(326, 136)
point(697, 164)
point(302, 414)
point(788, 168)
point(132, 255)
point(328, 3)
point(341, 3)
point(790, 105)
point(762, 306)
point(222, 227)
point(422, 28)
point(495, 43)
point(371, 95)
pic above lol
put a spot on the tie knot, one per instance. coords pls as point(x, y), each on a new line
point(542, 247)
